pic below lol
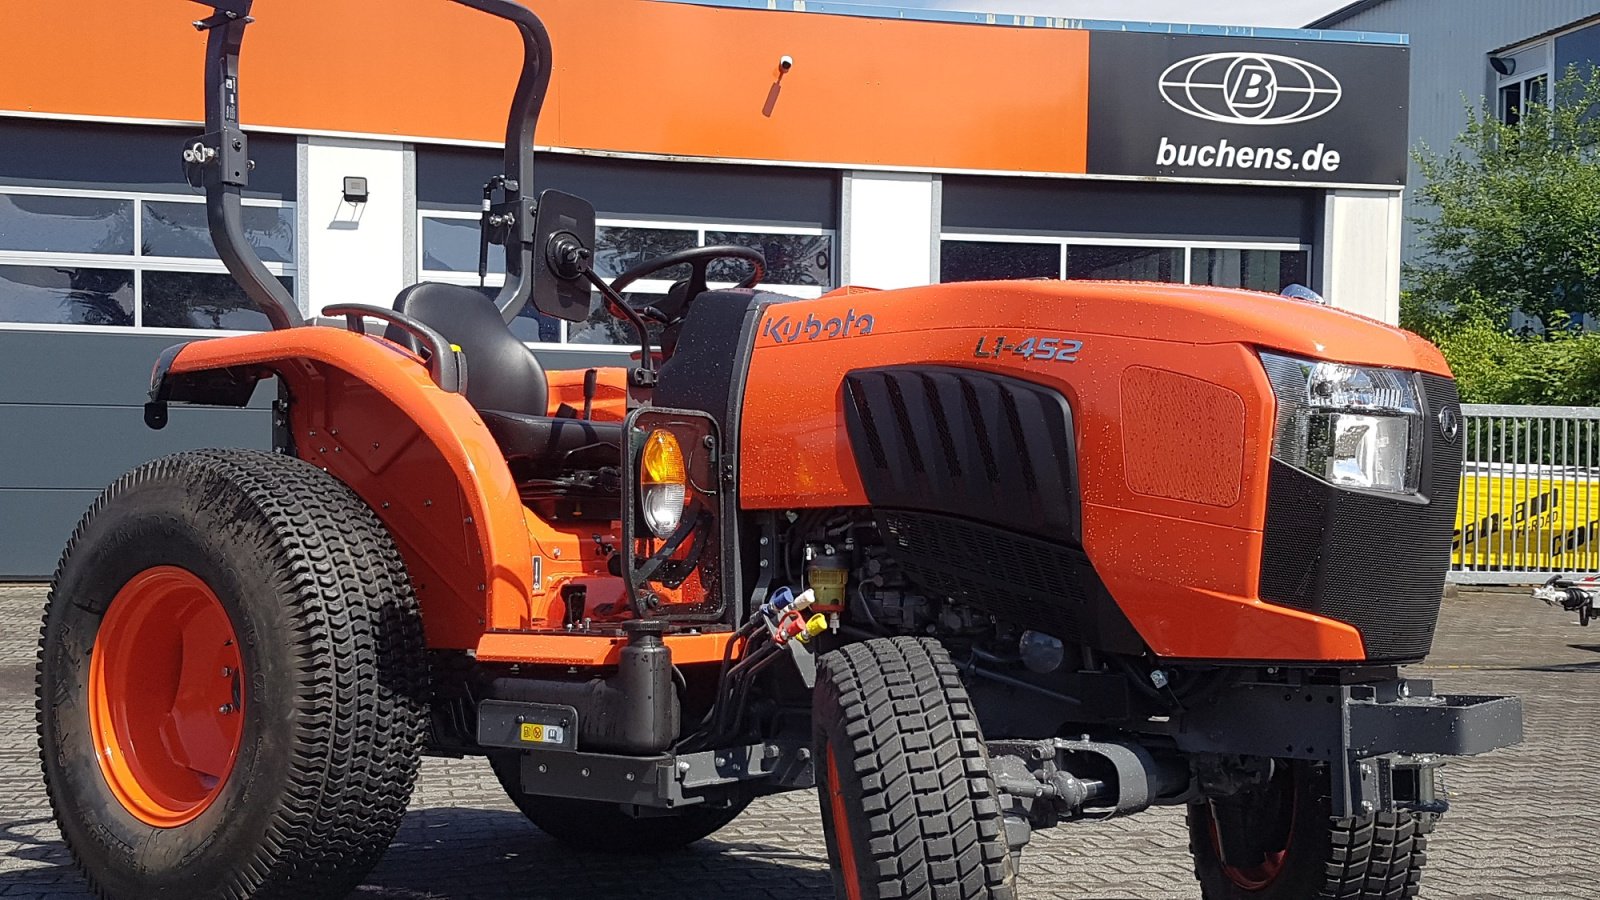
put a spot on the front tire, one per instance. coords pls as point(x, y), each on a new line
point(595, 825)
point(231, 683)
point(908, 806)
point(1302, 852)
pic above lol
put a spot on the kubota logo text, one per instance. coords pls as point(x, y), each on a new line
point(1250, 88)
point(783, 330)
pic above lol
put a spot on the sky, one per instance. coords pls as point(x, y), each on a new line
point(1279, 13)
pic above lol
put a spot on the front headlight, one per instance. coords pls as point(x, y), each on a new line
point(1353, 426)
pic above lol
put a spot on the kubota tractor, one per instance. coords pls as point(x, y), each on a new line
point(971, 559)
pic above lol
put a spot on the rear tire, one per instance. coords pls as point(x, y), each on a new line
point(908, 806)
point(595, 825)
point(1377, 857)
point(328, 700)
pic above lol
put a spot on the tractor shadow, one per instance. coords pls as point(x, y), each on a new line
point(475, 854)
point(456, 854)
point(1587, 666)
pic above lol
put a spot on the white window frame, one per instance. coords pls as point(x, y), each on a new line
point(1546, 67)
point(1187, 245)
point(134, 260)
point(644, 286)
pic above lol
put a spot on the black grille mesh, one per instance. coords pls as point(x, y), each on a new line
point(1375, 562)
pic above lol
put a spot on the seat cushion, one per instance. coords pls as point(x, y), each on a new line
point(552, 444)
point(502, 373)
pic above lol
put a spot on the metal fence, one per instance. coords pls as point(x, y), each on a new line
point(1530, 494)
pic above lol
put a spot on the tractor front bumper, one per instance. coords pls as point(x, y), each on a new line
point(1382, 740)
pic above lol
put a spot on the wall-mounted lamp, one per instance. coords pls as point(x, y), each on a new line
point(785, 63)
point(1504, 65)
point(355, 189)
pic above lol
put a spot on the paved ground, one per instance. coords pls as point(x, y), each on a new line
point(1526, 822)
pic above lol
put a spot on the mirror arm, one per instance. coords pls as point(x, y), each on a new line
point(645, 374)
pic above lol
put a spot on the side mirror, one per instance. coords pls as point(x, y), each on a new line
point(563, 246)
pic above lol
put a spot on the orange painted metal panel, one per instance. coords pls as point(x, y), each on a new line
point(565, 649)
point(631, 76)
point(704, 82)
point(367, 411)
point(1161, 410)
point(1184, 572)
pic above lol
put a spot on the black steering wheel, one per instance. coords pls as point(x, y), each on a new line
point(700, 258)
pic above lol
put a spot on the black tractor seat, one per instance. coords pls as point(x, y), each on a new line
point(507, 386)
point(553, 443)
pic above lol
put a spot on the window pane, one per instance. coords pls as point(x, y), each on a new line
point(65, 224)
point(66, 296)
point(620, 249)
point(1125, 263)
point(1255, 270)
point(451, 245)
point(1537, 88)
point(997, 260)
point(797, 259)
point(179, 229)
point(603, 328)
point(1511, 104)
point(201, 300)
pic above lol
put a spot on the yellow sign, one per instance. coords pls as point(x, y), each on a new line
point(533, 733)
point(1525, 517)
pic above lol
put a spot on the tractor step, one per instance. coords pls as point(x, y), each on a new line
point(668, 781)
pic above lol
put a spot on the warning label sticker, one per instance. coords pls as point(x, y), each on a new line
point(541, 734)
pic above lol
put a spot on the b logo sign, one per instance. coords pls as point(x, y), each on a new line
point(1250, 88)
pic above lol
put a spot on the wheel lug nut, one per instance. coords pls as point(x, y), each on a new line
point(225, 709)
point(227, 672)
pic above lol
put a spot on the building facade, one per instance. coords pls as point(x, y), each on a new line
point(893, 150)
point(1471, 52)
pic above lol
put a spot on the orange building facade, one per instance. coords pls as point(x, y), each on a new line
point(896, 147)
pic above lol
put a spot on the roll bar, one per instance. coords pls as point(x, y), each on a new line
point(513, 217)
point(219, 160)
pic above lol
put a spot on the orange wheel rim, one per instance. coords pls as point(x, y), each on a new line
point(841, 830)
point(166, 696)
point(1258, 877)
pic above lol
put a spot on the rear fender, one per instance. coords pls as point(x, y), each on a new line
point(367, 411)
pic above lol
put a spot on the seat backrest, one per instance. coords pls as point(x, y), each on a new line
point(502, 373)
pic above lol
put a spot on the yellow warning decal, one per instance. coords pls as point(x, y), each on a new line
point(532, 733)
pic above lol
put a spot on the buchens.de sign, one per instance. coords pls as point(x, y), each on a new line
point(1212, 107)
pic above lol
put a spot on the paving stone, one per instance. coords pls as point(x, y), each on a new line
point(1524, 822)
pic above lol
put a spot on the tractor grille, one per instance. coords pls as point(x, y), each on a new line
point(1375, 562)
point(967, 444)
point(974, 479)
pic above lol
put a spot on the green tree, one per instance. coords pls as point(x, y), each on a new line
point(1513, 227)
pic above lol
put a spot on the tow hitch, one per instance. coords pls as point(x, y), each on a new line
point(1572, 595)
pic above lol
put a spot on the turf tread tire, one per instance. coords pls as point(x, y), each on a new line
point(926, 819)
point(351, 666)
point(1374, 857)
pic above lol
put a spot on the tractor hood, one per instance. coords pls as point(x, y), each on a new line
point(1130, 424)
point(1157, 312)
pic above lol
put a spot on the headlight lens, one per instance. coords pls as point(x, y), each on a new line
point(663, 483)
point(1353, 426)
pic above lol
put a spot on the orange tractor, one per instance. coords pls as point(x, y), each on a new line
point(972, 560)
